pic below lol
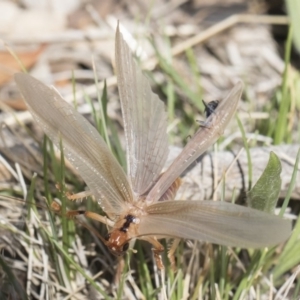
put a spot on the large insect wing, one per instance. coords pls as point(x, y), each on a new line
point(144, 120)
point(215, 222)
point(82, 144)
point(200, 142)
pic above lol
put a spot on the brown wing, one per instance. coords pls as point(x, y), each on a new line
point(204, 138)
point(215, 222)
point(144, 120)
point(83, 145)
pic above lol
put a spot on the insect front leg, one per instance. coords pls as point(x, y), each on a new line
point(89, 214)
point(209, 125)
point(171, 252)
point(204, 124)
point(77, 196)
point(157, 250)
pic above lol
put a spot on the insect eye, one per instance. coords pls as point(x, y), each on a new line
point(125, 247)
point(107, 236)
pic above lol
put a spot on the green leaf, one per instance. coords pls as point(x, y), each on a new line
point(293, 8)
point(281, 132)
point(264, 195)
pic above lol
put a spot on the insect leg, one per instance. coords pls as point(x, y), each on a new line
point(157, 250)
point(203, 124)
point(77, 196)
point(89, 214)
point(171, 252)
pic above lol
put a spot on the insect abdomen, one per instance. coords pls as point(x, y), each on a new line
point(170, 193)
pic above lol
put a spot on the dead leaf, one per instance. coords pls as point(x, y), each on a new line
point(9, 65)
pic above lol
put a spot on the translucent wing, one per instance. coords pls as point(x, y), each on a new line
point(203, 138)
point(82, 144)
point(144, 121)
point(215, 222)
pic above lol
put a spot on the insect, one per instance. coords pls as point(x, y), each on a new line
point(210, 107)
point(140, 205)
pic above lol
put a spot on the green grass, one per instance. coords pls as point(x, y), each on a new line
point(204, 271)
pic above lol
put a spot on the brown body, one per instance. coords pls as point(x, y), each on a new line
point(126, 227)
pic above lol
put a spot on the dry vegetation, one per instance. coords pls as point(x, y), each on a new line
point(192, 50)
